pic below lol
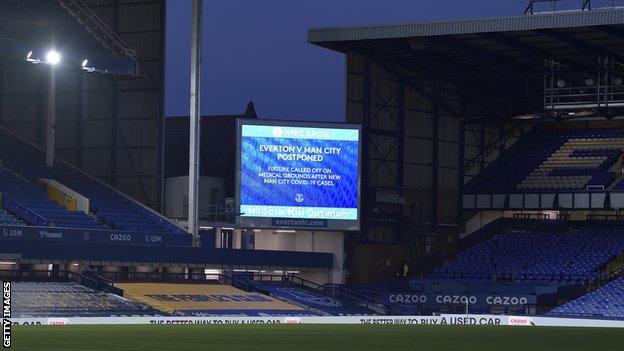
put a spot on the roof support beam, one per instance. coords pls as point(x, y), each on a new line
point(582, 46)
point(440, 62)
point(532, 51)
point(409, 65)
point(480, 54)
point(612, 32)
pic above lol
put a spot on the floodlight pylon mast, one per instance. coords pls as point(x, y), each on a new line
point(195, 119)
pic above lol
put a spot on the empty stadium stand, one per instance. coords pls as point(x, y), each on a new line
point(556, 160)
point(23, 164)
point(572, 257)
point(28, 200)
point(67, 299)
point(327, 299)
point(7, 219)
point(315, 299)
point(607, 301)
point(207, 300)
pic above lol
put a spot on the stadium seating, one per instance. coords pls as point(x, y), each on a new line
point(206, 300)
point(24, 165)
point(537, 256)
point(21, 192)
point(315, 299)
point(538, 262)
point(7, 219)
point(61, 299)
point(607, 301)
point(557, 160)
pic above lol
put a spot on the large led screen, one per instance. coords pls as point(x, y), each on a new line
point(299, 175)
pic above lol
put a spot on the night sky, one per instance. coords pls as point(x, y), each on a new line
point(258, 49)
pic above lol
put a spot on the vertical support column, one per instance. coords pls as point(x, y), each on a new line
point(401, 154)
point(81, 114)
point(160, 198)
point(114, 129)
point(114, 110)
point(501, 141)
point(195, 119)
point(461, 161)
point(2, 91)
point(366, 114)
point(51, 118)
point(482, 147)
point(40, 124)
point(435, 138)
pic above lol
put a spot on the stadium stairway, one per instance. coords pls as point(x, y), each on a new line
point(111, 208)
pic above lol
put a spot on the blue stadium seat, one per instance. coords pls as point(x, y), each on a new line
point(24, 165)
point(7, 219)
point(536, 255)
point(61, 299)
point(607, 301)
point(556, 160)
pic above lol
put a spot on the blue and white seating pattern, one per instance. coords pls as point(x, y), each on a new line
point(61, 299)
point(7, 219)
point(112, 210)
point(33, 197)
point(554, 257)
point(315, 299)
point(556, 160)
point(607, 301)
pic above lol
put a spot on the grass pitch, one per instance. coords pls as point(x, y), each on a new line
point(313, 337)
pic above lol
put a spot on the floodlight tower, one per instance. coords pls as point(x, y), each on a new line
point(52, 59)
point(194, 119)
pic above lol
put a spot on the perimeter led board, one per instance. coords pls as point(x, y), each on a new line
point(298, 175)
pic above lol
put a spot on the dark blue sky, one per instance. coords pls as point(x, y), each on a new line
point(258, 49)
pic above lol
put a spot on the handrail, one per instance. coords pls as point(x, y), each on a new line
point(170, 223)
point(23, 212)
point(329, 289)
point(95, 282)
point(105, 281)
point(584, 5)
point(254, 286)
point(187, 278)
point(352, 292)
point(604, 217)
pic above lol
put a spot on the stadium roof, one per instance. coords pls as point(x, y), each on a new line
point(468, 26)
point(500, 59)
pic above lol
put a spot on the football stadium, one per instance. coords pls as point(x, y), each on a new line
point(472, 199)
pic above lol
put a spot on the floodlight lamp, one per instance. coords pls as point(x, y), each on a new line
point(589, 82)
point(561, 83)
point(29, 58)
point(53, 57)
point(85, 66)
point(617, 81)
